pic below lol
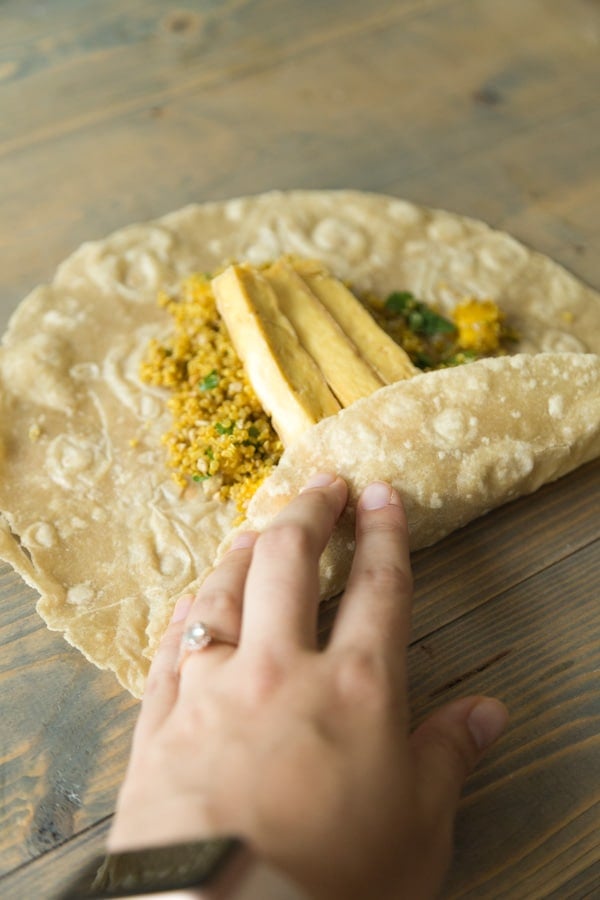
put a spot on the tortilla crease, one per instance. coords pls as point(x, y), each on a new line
point(89, 513)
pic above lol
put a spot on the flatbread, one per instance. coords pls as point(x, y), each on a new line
point(89, 514)
point(455, 443)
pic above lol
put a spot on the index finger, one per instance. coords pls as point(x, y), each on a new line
point(282, 588)
point(375, 611)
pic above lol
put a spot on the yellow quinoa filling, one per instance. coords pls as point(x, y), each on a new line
point(220, 431)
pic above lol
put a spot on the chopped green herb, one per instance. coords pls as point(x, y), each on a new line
point(253, 431)
point(224, 429)
point(200, 477)
point(400, 301)
point(422, 361)
point(419, 317)
point(463, 356)
point(210, 381)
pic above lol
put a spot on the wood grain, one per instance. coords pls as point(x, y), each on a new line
point(66, 729)
point(540, 788)
point(116, 112)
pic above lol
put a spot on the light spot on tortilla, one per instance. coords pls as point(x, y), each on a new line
point(71, 458)
point(445, 228)
point(556, 406)
point(41, 533)
point(513, 468)
point(169, 564)
point(150, 407)
point(54, 319)
point(555, 341)
point(84, 371)
point(404, 212)
point(267, 246)
point(80, 594)
point(452, 427)
point(335, 235)
point(234, 209)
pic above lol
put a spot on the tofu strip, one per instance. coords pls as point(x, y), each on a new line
point(349, 376)
point(382, 353)
point(285, 378)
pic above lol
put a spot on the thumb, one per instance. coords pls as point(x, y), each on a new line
point(450, 743)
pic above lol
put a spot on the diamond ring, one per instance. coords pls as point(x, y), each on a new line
point(197, 636)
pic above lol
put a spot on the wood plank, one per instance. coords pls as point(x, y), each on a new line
point(50, 873)
point(528, 821)
point(438, 142)
point(107, 56)
point(461, 572)
point(66, 730)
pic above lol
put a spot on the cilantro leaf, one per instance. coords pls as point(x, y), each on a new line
point(420, 318)
point(210, 381)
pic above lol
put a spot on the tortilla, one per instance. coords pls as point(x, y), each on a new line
point(89, 514)
point(455, 443)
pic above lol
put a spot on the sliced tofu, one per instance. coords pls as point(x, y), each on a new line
point(349, 376)
point(382, 353)
point(286, 379)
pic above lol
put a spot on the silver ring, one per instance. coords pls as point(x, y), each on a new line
point(197, 636)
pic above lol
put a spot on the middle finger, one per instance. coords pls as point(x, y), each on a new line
point(282, 589)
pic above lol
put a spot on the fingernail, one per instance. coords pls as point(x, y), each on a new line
point(376, 495)
point(487, 720)
point(321, 479)
point(182, 608)
point(243, 539)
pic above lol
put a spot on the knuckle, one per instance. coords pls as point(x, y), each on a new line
point(387, 576)
point(459, 755)
point(222, 601)
point(361, 676)
point(290, 539)
point(392, 520)
point(264, 676)
point(162, 672)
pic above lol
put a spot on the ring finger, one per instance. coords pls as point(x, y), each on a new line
point(219, 600)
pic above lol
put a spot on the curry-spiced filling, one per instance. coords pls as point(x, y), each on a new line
point(220, 430)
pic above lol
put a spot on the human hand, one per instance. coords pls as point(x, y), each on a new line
point(305, 753)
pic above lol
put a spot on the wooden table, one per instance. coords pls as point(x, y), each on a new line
point(119, 111)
